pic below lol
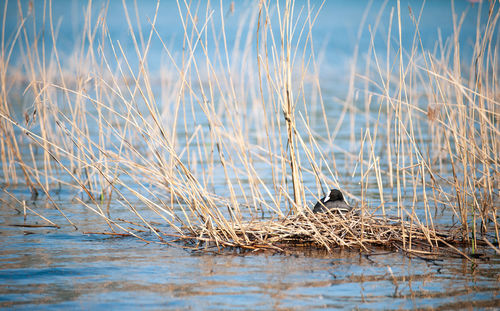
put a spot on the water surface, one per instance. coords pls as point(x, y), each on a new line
point(63, 269)
point(50, 268)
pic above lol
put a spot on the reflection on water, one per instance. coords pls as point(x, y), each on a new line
point(60, 268)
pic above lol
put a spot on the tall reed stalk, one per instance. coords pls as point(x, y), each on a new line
point(226, 132)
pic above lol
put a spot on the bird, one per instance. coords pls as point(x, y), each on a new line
point(333, 202)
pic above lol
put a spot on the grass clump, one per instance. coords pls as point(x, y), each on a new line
point(222, 145)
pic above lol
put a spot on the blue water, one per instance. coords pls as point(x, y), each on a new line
point(62, 269)
point(49, 268)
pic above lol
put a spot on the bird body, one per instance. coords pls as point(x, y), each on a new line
point(333, 202)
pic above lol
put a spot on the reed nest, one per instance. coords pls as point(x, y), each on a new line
point(330, 231)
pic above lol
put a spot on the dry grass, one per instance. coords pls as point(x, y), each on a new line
point(330, 232)
point(223, 147)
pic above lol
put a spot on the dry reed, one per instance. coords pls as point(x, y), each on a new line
point(245, 121)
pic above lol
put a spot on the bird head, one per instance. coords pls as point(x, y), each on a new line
point(334, 195)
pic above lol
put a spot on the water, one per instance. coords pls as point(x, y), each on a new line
point(49, 268)
point(63, 269)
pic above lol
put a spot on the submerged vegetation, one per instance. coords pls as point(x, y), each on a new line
point(230, 140)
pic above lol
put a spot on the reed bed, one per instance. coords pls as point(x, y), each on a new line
point(222, 144)
point(333, 231)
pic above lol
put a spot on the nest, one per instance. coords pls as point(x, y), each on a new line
point(330, 231)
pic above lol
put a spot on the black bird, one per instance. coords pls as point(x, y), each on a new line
point(333, 202)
